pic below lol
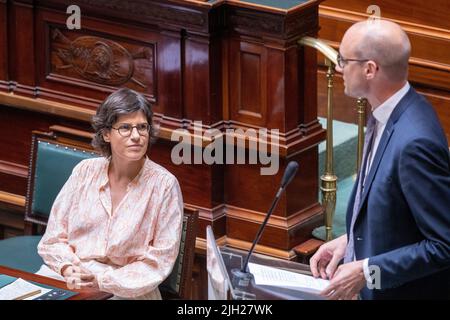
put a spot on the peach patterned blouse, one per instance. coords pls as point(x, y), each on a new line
point(132, 250)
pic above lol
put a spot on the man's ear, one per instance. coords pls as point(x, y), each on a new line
point(106, 135)
point(371, 69)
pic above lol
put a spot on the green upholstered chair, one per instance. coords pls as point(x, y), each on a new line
point(51, 163)
point(178, 284)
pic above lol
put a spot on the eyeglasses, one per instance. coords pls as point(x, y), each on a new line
point(342, 62)
point(126, 129)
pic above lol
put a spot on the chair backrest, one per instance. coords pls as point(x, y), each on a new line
point(178, 284)
point(51, 164)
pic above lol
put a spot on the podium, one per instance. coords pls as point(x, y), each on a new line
point(233, 259)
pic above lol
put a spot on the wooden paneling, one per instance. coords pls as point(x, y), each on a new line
point(13, 177)
point(345, 107)
point(3, 46)
point(202, 76)
point(21, 62)
point(279, 62)
point(169, 79)
point(18, 124)
point(169, 15)
point(433, 14)
point(11, 212)
point(428, 47)
point(308, 89)
point(247, 212)
point(260, 189)
point(16, 144)
point(248, 83)
point(428, 28)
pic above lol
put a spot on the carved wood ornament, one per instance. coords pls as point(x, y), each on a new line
point(98, 59)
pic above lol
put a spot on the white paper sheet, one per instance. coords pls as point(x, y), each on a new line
point(269, 276)
point(45, 271)
point(19, 288)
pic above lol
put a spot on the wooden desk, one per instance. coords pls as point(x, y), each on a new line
point(84, 294)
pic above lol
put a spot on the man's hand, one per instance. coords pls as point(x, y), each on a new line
point(78, 278)
point(347, 282)
point(325, 261)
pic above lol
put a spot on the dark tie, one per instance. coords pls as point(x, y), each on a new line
point(368, 143)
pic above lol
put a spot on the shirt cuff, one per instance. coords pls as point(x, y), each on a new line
point(366, 270)
point(62, 265)
point(100, 277)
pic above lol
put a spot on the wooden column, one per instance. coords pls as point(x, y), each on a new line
point(272, 84)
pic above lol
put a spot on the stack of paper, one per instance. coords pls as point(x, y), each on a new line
point(269, 276)
point(21, 289)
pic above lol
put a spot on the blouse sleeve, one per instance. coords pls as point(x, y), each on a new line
point(54, 247)
point(151, 269)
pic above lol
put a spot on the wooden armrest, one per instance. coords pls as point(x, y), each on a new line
point(306, 249)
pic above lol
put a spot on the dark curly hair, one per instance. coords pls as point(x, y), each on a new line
point(120, 102)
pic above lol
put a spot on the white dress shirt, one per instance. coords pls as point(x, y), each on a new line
point(382, 114)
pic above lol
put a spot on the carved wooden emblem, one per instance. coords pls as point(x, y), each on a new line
point(101, 60)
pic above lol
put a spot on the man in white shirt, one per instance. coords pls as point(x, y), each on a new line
point(397, 244)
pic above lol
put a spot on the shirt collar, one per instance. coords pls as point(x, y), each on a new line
point(138, 176)
point(383, 112)
point(104, 174)
point(104, 180)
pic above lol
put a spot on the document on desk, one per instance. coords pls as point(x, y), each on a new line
point(49, 273)
point(270, 276)
point(23, 290)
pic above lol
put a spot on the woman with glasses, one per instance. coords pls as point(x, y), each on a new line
point(116, 223)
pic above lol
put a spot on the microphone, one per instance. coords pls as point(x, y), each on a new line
point(241, 277)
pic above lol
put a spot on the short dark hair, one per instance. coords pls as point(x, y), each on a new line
point(121, 102)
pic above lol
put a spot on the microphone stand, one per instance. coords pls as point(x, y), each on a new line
point(242, 277)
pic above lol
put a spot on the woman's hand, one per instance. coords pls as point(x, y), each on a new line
point(78, 278)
